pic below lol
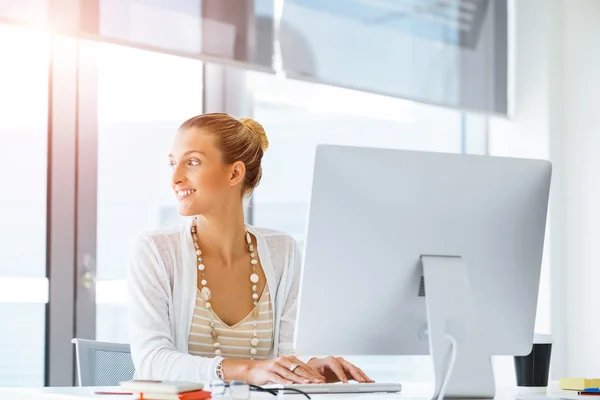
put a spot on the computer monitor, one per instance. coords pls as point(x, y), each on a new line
point(414, 253)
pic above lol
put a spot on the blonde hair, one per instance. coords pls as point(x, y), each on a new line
point(242, 140)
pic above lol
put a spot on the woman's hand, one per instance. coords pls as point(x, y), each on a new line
point(336, 369)
point(278, 370)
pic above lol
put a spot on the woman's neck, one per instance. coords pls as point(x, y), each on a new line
point(222, 236)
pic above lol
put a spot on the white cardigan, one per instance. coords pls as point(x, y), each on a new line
point(162, 282)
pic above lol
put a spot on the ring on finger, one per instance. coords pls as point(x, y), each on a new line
point(293, 367)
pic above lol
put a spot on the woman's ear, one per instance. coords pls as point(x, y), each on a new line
point(238, 172)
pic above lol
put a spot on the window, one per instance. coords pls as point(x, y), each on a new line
point(449, 53)
point(142, 99)
point(23, 162)
point(237, 30)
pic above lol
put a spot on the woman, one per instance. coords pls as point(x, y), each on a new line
point(216, 298)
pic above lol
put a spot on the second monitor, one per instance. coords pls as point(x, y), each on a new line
point(413, 253)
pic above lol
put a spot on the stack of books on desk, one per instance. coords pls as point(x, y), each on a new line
point(165, 390)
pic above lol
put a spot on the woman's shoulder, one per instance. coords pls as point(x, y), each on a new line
point(158, 250)
point(273, 236)
point(161, 240)
point(280, 244)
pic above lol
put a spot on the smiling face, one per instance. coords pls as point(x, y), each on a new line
point(201, 180)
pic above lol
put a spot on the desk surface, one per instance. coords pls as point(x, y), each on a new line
point(411, 391)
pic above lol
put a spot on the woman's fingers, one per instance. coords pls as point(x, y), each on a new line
point(366, 378)
point(313, 372)
point(289, 375)
point(273, 377)
point(306, 374)
point(335, 366)
point(351, 370)
point(303, 373)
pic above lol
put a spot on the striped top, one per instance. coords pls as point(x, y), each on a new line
point(234, 340)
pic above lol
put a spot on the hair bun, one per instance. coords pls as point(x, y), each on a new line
point(258, 131)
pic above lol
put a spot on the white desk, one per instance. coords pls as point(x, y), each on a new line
point(411, 391)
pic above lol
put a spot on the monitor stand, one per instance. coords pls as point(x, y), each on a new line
point(452, 314)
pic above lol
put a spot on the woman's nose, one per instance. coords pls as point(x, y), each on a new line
point(178, 176)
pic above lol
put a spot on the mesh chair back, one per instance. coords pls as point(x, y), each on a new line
point(102, 363)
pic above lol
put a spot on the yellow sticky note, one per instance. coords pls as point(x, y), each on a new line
point(578, 383)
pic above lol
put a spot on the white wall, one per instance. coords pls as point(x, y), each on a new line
point(557, 93)
point(526, 133)
point(582, 189)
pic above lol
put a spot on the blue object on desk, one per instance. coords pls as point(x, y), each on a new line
point(591, 390)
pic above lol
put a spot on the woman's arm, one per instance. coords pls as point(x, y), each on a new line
point(152, 346)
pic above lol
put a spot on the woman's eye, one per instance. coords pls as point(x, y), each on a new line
point(172, 165)
point(194, 162)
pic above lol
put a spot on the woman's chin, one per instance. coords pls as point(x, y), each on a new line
point(186, 211)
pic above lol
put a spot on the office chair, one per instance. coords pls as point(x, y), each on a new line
point(102, 363)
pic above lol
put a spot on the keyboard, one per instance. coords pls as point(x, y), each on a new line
point(322, 388)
